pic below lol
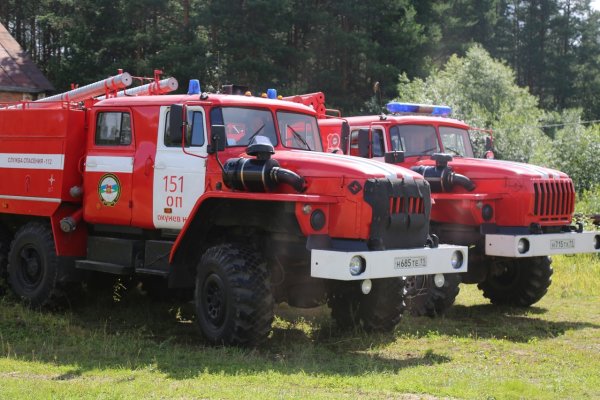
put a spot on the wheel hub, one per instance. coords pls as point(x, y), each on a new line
point(214, 299)
point(31, 266)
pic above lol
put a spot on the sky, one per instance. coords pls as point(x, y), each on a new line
point(596, 4)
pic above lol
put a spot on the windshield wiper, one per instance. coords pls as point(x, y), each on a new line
point(452, 149)
point(424, 152)
point(299, 138)
point(255, 133)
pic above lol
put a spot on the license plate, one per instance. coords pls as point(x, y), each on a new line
point(410, 262)
point(562, 244)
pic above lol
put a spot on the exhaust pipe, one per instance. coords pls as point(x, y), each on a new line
point(442, 178)
point(260, 174)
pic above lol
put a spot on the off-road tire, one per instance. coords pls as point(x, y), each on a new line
point(424, 298)
point(33, 266)
point(523, 282)
point(4, 247)
point(379, 311)
point(233, 299)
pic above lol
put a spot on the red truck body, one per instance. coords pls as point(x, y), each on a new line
point(221, 193)
point(512, 215)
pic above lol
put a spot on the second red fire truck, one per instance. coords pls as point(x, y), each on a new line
point(513, 216)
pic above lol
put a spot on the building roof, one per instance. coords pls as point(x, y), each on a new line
point(18, 73)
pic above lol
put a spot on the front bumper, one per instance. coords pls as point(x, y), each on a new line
point(542, 244)
point(334, 264)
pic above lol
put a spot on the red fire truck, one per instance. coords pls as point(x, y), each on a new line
point(226, 193)
point(513, 216)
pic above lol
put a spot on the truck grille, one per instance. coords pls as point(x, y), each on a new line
point(554, 199)
point(407, 205)
point(400, 212)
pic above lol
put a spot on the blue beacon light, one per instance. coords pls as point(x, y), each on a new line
point(272, 93)
point(194, 86)
point(397, 107)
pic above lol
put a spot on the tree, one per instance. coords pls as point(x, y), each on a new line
point(574, 150)
point(482, 91)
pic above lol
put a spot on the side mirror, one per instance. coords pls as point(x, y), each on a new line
point(218, 138)
point(176, 123)
point(489, 145)
point(364, 149)
point(345, 138)
point(394, 157)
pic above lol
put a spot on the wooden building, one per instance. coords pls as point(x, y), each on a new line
point(20, 78)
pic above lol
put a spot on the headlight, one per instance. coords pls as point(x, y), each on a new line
point(457, 259)
point(366, 286)
point(439, 280)
point(317, 220)
point(487, 212)
point(523, 246)
point(357, 265)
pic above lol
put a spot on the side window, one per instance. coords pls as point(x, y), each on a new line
point(354, 143)
point(113, 129)
point(396, 139)
point(378, 146)
point(195, 130)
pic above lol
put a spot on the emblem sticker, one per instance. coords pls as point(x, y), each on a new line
point(109, 190)
point(354, 187)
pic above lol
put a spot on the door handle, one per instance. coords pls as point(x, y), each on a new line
point(148, 166)
point(92, 164)
point(160, 165)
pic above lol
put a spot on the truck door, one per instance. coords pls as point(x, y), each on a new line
point(377, 143)
point(109, 168)
point(179, 173)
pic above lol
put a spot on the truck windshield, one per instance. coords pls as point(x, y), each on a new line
point(456, 141)
point(244, 124)
point(414, 140)
point(299, 131)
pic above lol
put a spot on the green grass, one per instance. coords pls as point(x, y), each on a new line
point(136, 348)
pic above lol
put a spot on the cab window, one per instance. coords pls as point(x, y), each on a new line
point(378, 146)
point(456, 141)
point(194, 135)
point(113, 129)
point(414, 140)
point(242, 125)
point(299, 131)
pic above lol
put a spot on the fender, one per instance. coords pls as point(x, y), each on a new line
point(73, 244)
point(270, 197)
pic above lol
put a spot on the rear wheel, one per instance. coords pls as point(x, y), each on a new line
point(4, 246)
point(233, 299)
point(33, 269)
point(424, 297)
point(519, 282)
point(379, 311)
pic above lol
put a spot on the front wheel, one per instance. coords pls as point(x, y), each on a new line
point(33, 268)
point(379, 311)
point(518, 282)
point(233, 298)
point(424, 297)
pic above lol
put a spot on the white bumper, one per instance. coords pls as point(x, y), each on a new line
point(543, 244)
point(332, 264)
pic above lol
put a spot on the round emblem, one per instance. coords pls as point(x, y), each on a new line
point(109, 189)
point(335, 140)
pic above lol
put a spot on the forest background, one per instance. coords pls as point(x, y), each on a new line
point(530, 70)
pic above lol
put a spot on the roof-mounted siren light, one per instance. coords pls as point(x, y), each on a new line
point(272, 93)
point(410, 108)
point(194, 86)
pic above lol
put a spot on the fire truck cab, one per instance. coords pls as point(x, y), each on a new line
point(513, 216)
